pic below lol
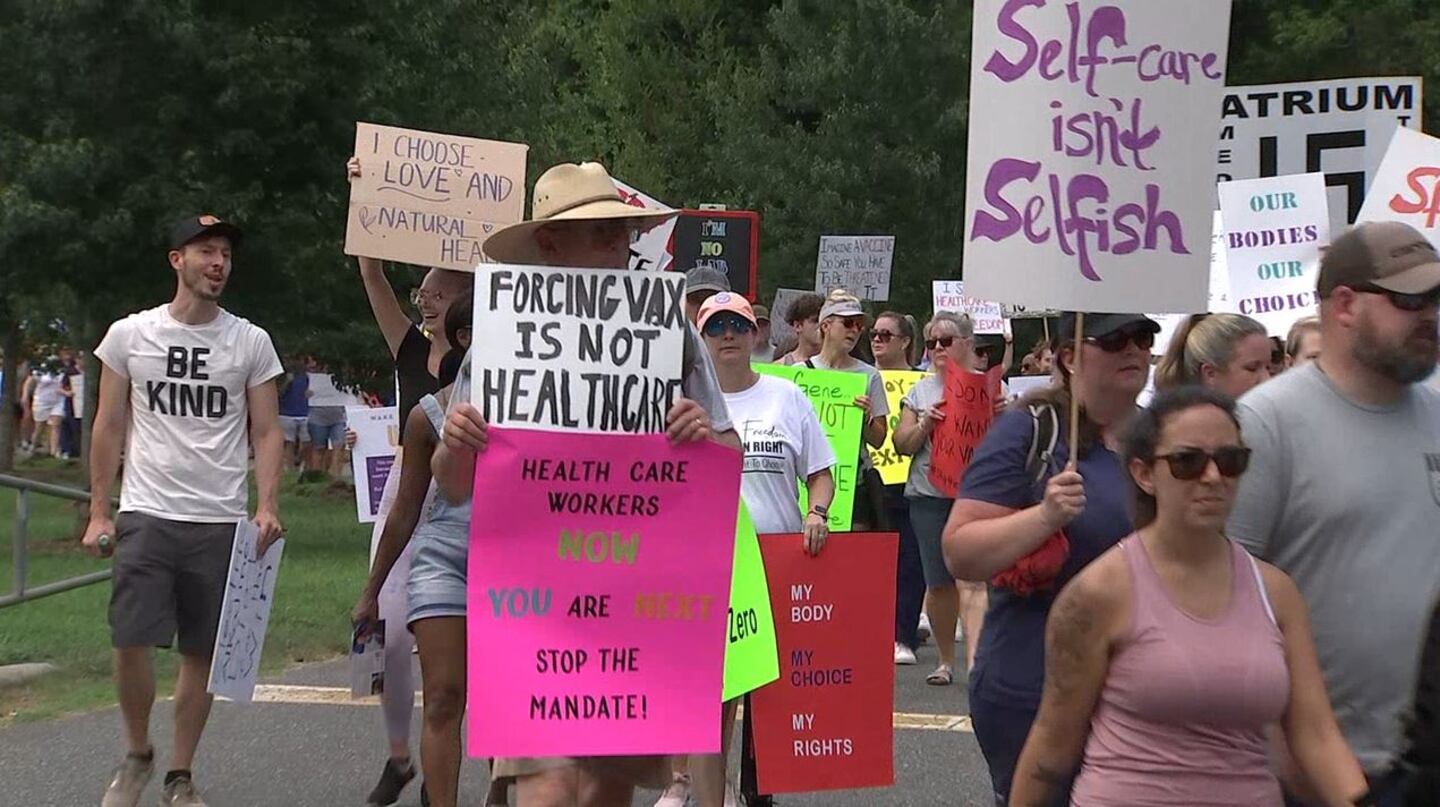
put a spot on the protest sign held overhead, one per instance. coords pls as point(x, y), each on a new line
point(597, 584)
point(1407, 187)
point(1219, 289)
point(1339, 127)
point(988, 317)
point(894, 467)
point(1088, 188)
point(431, 199)
point(651, 249)
point(728, 240)
point(969, 407)
point(1275, 229)
point(833, 395)
point(589, 350)
point(827, 723)
point(858, 263)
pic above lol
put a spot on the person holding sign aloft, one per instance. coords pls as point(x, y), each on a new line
point(783, 443)
point(1031, 518)
point(580, 221)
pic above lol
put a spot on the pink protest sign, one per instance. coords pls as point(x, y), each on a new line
point(599, 576)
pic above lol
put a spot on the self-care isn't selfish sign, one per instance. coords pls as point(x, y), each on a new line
point(1120, 168)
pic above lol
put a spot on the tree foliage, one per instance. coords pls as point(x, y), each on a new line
point(827, 117)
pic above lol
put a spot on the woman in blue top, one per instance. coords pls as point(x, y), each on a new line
point(1004, 513)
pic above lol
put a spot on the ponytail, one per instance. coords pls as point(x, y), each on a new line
point(1200, 340)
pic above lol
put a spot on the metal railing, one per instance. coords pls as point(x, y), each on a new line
point(20, 542)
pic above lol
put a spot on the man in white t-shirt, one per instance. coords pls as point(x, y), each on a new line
point(183, 383)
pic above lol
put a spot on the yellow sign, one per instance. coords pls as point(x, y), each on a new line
point(894, 469)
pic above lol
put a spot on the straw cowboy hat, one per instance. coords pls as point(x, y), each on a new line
point(568, 192)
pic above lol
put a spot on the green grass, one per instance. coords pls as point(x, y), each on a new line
point(324, 566)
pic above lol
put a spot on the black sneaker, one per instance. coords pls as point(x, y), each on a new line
point(424, 797)
point(392, 782)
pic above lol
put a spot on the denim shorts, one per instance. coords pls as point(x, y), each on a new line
point(928, 515)
point(438, 570)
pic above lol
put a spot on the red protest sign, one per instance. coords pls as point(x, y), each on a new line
point(826, 724)
point(969, 405)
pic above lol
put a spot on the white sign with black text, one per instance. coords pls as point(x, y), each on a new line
point(244, 615)
point(579, 350)
point(1274, 230)
point(859, 264)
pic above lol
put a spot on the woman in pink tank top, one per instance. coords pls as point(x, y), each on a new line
point(1168, 657)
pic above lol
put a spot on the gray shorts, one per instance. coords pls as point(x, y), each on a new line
point(169, 579)
point(928, 515)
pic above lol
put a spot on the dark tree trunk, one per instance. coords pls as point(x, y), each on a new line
point(9, 394)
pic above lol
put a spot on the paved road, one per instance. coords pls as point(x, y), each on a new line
point(310, 747)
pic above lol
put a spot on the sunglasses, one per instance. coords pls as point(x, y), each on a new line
point(852, 323)
point(1402, 301)
point(717, 326)
point(941, 342)
point(882, 336)
point(1119, 340)
point(1189, 464)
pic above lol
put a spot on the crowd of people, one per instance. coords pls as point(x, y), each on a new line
point(48, 404)
point(1193, 602)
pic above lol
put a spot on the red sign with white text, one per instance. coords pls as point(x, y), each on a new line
point(826, 724)
point(969, 405)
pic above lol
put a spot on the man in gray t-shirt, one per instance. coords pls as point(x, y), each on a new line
point(1343, 492)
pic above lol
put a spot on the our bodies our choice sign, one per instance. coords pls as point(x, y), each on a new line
point(1274, 231)
point(598, 578)
point(1088, 187)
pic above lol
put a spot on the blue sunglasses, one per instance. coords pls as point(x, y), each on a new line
point(716, 326)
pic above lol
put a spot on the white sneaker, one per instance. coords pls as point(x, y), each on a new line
point(959, 631)
point(903, 654)
point(677, 794)
point(924, 629)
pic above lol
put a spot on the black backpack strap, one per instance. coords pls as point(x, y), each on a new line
point(810, 363)
point(1044, 434)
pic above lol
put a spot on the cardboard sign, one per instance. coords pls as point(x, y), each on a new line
point(751, 660)
point(1274, 231)
point(367, 660)
point(728, 240)
point(833, 395)
point(431, 199)
point(1407, 186)
point(859, 264)
point(244, 615)
point(1088, 187)
point(651, 251)
point(826, 724)
point(988, 317)
point(377, 435)
point(587, 350)
point(969, 407)
point(1338, 126)
point(894, 467)
point(598, 572)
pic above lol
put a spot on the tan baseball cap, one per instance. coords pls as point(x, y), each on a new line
point(1388, 254)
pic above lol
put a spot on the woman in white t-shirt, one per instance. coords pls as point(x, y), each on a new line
point(784, 444)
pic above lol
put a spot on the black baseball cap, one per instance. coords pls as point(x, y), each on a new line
point(1098, 325)
point(200, 225)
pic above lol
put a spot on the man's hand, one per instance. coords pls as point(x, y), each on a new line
point(465, 428)
point(270, 531)
point(98, 526)
point(816, 531)
point(687, 422)
point(352, 168)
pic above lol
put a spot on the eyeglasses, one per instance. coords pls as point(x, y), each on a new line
point(419, 296)
point(882, 337)
point(1119, 340)
point(941, 342)
point(717, 325)
point(1401, 300)
point(1189, 464)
